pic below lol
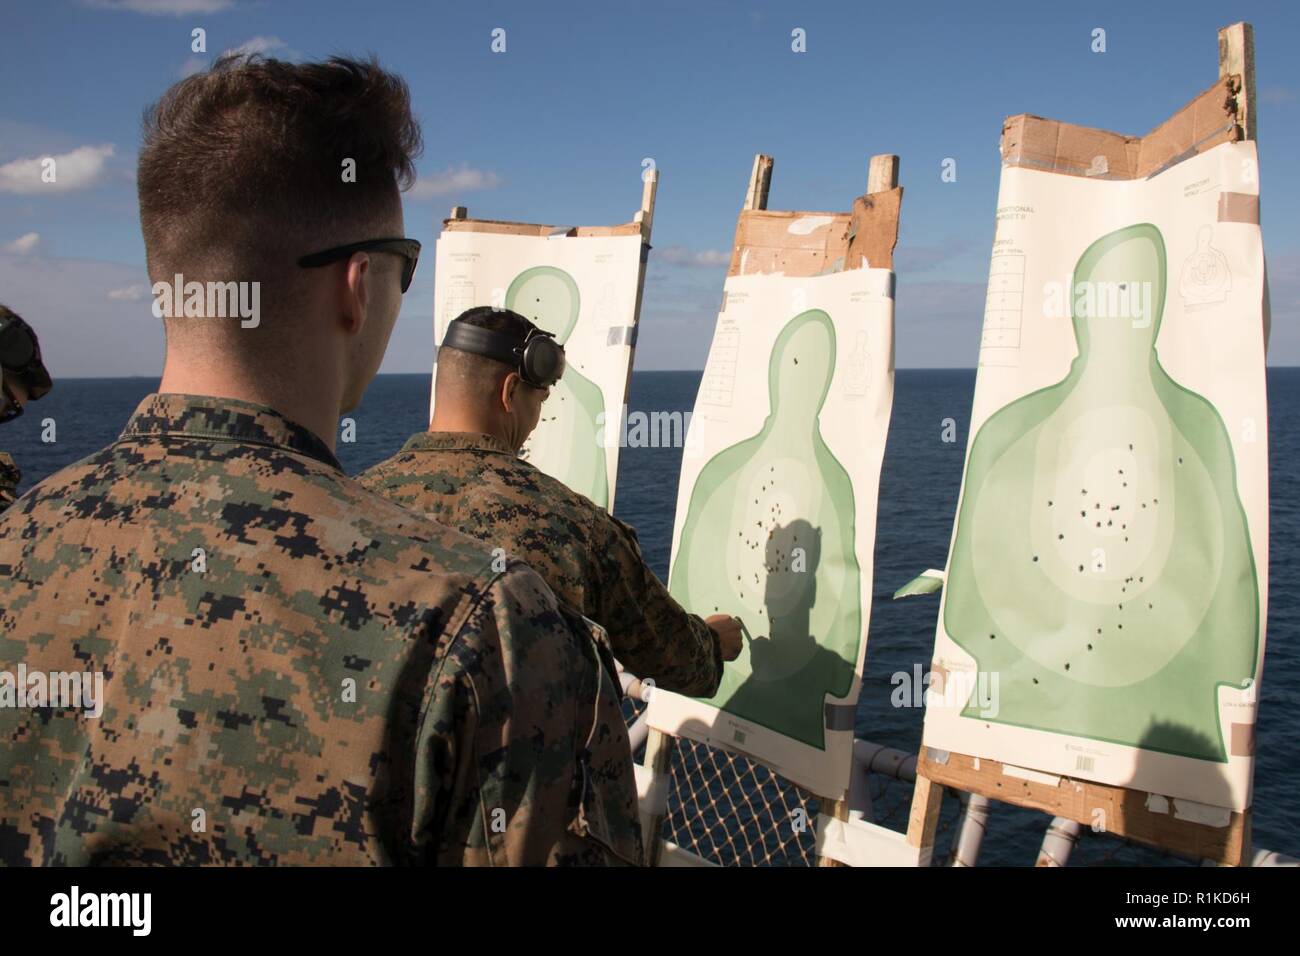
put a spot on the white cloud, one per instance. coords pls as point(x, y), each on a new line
point(449, 181)
point(74, 170)
point(260, 45)
point(163, 8)
point(195, 64)
point(691, 258)
point(130, 293)
point(84, 332)
point(24, 245)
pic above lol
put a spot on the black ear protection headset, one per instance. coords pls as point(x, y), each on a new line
point(20, 357)
point(538, 359)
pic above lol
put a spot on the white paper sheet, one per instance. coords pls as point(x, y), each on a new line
point(1104, 609)
point(583, 289)
point(776, 515)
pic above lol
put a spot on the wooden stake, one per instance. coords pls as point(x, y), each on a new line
point(923, 820)
point(645, 219)
point(646, 214)
point(882, 173)
point(760, 181)
point(1237, 58)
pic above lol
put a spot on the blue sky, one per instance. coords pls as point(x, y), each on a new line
point(555, 130)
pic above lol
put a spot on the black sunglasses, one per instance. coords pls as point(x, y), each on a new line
point(408, 249)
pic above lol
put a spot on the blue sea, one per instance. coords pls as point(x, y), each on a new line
point(918, 496)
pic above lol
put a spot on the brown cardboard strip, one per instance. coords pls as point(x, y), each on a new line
point(1242, 742)
point(538, 229)
point(867, 233)
point(1239, 207)
point(1205, 122)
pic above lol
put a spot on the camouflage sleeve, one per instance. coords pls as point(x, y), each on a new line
point(652, 635)
point(512, 722)
point(9, 478)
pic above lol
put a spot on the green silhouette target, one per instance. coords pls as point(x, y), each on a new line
point(1102, 564)
point(769, 537)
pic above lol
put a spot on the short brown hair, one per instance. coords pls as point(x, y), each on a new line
point(245, 160)
point(474, 376)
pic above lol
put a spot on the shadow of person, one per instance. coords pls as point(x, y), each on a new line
point(1154, 819)
point(793, 555)
point(791, 670)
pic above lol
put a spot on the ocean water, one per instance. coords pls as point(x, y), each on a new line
point(918, 496)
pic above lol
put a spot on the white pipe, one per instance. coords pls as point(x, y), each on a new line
point(971, 827)
point(877, 758)
point(1272, 858)
point(1058, 841)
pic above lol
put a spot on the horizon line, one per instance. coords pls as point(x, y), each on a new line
point(635, 371)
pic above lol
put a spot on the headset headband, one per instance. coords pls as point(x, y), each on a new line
point(538, 360)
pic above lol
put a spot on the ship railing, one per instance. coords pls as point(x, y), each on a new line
point(870, 760)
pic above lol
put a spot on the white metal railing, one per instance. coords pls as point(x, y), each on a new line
point(1059, 840)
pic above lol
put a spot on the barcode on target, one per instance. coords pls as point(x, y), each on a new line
point(1083, 763)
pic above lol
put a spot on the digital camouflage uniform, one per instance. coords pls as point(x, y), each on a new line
point(9, 478)
point(590, 559)
point(482, 727)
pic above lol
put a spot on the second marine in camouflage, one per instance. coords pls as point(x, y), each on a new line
point(466, 472)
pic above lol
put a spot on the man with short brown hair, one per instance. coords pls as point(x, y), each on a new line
point(293, 669)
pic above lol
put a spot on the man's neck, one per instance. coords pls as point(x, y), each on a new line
point(445, 420)
point(312, 404)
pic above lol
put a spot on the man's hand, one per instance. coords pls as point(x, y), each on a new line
point(728, 630)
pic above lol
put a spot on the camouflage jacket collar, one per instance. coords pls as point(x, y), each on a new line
point(224, 420)
point(457, 441)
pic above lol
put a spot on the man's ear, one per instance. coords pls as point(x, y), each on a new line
point(356, 292)
point(508, 386)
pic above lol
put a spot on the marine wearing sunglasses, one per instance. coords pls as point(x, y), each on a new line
point(408, 249)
